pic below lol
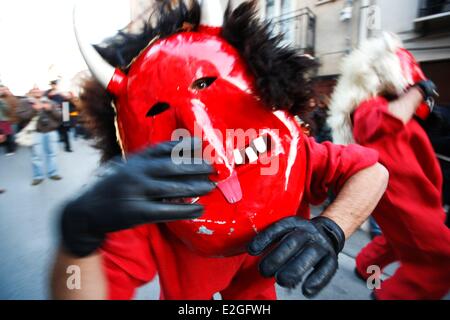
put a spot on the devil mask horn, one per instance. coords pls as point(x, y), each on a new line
point(108, 76)
point(212, 16)
point(212, 13)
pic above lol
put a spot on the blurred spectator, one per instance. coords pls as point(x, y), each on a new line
point(35, 93)
point(63, 102)
point(12, 101)
point(72, 116)
point(44, 117)
point(6, 115)
point(2, 139)
point(78, 118)
point(319, 115)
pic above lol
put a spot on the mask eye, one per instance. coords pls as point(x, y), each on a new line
point(157, 108)
point(203, 83)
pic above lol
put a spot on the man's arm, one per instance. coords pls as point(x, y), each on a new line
point(358, 198)
point(92, 278)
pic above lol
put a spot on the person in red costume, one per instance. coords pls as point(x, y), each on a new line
point(219, 223)
point(410, 213)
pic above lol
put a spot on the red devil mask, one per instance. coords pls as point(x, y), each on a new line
point(413, 74)
point(197, 82)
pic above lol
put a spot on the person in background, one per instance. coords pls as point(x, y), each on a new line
point(2, 139)
point(12, 101)
point(72, 114)
point(46, 119)
point(379, 110)
point(63, 102)
point(6, 112)
point(321, 130)
point(35, 93)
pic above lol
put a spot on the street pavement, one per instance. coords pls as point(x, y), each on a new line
point(29, 237)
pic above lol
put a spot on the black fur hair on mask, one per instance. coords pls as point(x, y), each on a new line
point(282, 75)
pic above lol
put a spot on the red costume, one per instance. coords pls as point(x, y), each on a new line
point(410, 213)
point(133, 257)
point(205, 82)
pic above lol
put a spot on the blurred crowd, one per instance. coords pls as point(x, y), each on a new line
point(40, 121)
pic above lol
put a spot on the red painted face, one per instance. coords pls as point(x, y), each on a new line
point(414, 74)
point(197, 82)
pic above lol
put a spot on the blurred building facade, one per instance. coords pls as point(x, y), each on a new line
point(330, 29)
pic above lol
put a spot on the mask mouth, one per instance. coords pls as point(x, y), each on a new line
point(231, 187)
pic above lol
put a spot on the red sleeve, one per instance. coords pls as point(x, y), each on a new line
point(372, 120)
point(330, 166)
point(128, 262)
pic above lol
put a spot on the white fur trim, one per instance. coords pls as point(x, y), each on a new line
point(369, 71)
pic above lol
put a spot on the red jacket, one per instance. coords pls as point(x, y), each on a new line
point(414, 194)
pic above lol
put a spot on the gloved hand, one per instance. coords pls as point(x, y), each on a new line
point(300, 245)
point(135, 193)
point(428, 89)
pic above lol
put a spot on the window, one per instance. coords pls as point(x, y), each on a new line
point(287, 24)
point(296, 25)
point(270, 9)
point(286, 6)
point(432, 7)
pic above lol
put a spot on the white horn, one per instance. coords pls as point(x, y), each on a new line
point(212, 12)
point(99, 68)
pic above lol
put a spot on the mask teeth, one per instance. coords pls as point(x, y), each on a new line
point(238, 158)
point(260, 144)
point(251, 153)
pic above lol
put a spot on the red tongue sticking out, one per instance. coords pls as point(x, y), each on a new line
point(231, 188)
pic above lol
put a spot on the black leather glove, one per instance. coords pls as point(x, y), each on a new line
point(300, 245)
point(134, 193)
point(428, 88)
